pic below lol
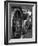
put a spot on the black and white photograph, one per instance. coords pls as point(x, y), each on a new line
point(20, 22)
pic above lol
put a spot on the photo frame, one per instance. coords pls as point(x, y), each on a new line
point(18, 15)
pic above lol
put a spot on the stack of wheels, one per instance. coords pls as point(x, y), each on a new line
point(17, 24)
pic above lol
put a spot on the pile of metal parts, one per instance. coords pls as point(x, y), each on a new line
point(21, 23)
